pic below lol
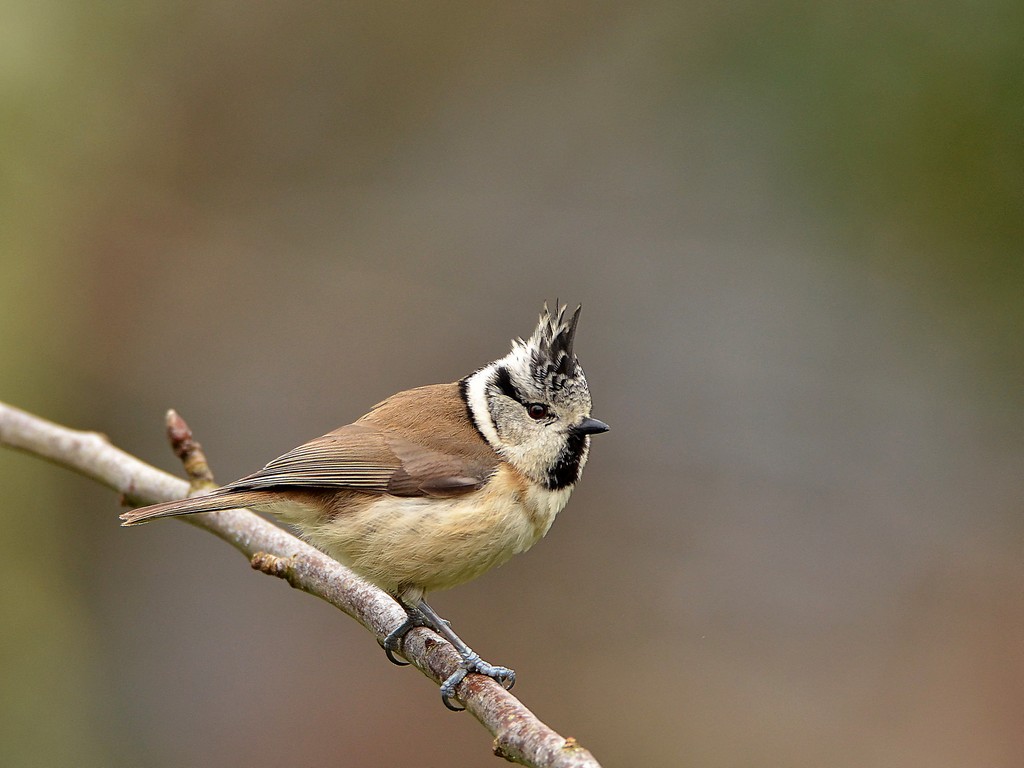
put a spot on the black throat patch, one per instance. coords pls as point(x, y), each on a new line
point(567, 469)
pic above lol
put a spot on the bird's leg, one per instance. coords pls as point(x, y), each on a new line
point(471, 661)
point(393, 642)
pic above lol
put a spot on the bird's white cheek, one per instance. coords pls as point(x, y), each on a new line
point(534, 459)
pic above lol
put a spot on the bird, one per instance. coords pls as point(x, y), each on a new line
point(435, 485)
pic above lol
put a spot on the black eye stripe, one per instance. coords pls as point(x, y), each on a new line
point(503, 381)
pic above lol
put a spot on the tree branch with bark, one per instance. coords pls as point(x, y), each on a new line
point(519, 736)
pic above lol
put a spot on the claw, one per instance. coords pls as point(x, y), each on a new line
point(390, 653)
point(448, 689)
point(472, 662)
point(393, 642)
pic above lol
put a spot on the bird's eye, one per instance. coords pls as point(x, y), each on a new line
point(537, 411)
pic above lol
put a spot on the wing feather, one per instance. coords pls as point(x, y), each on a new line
point(366, 457)
point(354, 456)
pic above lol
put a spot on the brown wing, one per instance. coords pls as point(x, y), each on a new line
point(353, 456)
point(441, 455)
point(426, 472)
point(416, 443)
point(431, 431)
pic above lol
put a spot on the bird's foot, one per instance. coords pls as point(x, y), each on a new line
point(393, 641)
point(471, 662)
point(422, 615)
point(414, 618)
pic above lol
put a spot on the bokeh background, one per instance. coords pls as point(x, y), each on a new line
point(796, 229)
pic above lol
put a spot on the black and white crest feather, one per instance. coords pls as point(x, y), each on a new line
point(551, 356)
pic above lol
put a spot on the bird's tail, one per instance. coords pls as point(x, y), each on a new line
point(224, 498)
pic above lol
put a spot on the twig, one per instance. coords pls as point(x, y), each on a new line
point(518, 735)
point(189, 452)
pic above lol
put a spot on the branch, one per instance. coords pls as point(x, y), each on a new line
point(518, 735)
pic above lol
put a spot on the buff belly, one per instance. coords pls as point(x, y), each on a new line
point(410, 546)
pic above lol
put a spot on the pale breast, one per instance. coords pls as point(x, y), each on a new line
point(411, 545)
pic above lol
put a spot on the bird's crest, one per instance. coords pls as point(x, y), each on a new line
point(550, 347)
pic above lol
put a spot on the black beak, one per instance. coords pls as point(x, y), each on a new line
point(590, 427)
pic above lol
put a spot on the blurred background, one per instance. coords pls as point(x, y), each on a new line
point(796, 230)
